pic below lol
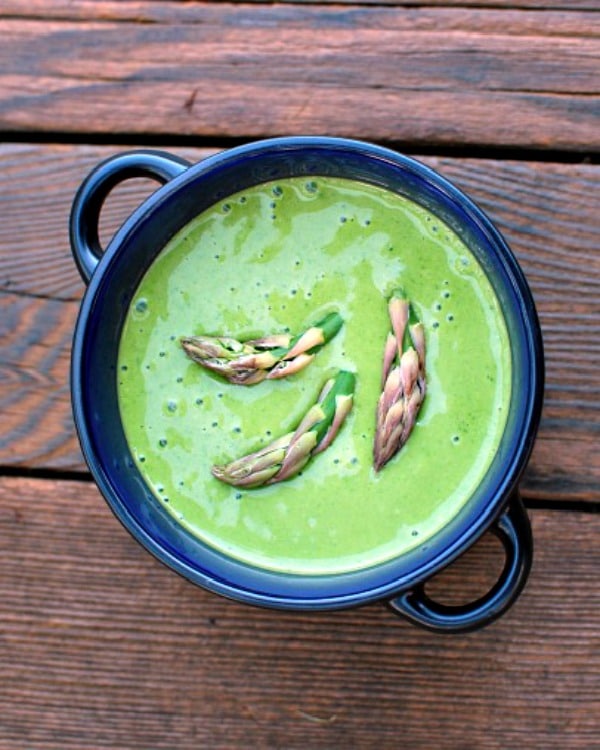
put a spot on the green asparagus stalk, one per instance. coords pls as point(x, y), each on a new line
point(286, 456)
point(403, 380)
point(270, 357)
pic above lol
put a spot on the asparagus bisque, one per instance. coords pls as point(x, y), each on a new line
point(272, 260)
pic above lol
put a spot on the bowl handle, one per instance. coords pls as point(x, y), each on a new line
point(514, 531)
point(87, 205)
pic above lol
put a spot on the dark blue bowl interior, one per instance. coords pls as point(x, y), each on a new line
point(105, 306)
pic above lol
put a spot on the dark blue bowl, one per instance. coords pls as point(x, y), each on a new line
point(113, 276)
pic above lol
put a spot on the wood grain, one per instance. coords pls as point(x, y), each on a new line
point(548, 212)
point(425, 76)
point(104, 647)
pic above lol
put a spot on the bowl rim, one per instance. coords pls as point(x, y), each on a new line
point(239, 580)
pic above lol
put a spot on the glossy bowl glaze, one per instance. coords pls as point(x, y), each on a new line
point(113, 276)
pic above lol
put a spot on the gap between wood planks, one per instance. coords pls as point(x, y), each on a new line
point(174, 140)
point(17, 13)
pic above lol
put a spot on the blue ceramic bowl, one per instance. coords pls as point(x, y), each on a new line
point(113, 276)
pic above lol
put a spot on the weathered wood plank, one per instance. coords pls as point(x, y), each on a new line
point(104, 647)
point(548, 213)
point(424, 76)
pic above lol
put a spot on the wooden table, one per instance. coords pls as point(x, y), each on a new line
point(102, 646)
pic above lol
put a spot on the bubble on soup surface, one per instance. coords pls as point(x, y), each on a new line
point(141, 306)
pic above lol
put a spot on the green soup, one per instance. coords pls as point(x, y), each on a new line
point(274, 258)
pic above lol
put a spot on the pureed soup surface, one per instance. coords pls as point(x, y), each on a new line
point(278, 257)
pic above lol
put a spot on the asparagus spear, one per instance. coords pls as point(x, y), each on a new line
point(270, 357)
point(403, 380)
point(286, 456)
